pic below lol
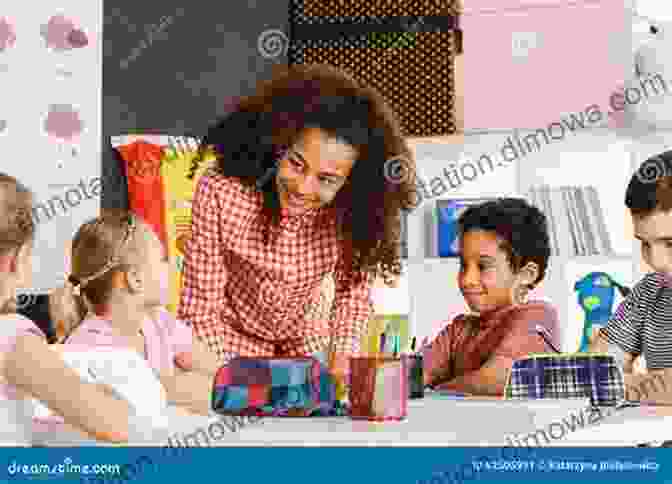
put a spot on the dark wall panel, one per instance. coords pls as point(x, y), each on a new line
point(172, 67)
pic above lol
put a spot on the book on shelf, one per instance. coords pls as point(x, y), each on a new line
point(447, 213)
point(576, 222)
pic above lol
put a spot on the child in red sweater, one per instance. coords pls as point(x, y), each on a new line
point(504, 252)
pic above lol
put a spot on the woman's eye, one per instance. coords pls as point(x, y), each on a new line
point(295, 163)
point(329, 181)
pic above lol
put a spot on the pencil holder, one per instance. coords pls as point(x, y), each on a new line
point(416, 383)
point(378, 388)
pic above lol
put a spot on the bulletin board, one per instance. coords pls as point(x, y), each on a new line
point(50, 129)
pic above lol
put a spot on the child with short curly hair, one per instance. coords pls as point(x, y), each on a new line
point(504, 253)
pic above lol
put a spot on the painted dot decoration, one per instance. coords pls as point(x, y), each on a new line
point(378, 8)
point(413, 71)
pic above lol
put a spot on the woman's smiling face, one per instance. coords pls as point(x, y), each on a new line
point(313, 171)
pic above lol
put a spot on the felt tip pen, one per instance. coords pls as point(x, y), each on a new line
point(413, 344)
point(381, 350)
point(451, 395)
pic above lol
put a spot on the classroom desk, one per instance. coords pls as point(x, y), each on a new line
point(627, 427)
point(431, 422)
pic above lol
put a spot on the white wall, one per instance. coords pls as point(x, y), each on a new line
point(33, 78)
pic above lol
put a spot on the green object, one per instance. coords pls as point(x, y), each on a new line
point(595, 295)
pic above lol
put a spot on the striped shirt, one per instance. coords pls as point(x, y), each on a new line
point(642, 324)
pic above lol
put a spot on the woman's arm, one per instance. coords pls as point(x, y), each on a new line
point(205, 275)
point(37, 369)
point(352, 310)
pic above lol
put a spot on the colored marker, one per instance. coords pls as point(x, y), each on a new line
point(450, 395)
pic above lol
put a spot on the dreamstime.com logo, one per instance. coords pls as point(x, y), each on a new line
point(397, 170)
point(24, 301)
point(272, 44)
point(653, 169)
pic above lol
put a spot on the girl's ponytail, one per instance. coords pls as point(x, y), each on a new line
point(68, 308)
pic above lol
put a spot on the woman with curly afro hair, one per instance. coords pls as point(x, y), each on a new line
point(302, 189)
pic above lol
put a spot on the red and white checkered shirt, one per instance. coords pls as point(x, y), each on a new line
point(246, 298)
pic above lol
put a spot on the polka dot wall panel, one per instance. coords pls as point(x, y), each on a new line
point(404, 49)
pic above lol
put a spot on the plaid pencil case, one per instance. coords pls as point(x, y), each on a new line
point(275, 387)
point(572, 375)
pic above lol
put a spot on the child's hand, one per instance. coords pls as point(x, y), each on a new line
point(596, 344)
point(184, 361)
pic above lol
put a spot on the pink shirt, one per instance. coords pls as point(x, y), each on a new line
point(165, 338)
point(12, 327)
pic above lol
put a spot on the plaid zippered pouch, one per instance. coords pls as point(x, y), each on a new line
point(572, 375)
point(275, 387)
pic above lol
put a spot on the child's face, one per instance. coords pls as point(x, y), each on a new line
point(485, 278)
point(655, 233)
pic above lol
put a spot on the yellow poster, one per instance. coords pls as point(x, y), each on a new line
point(180, 180)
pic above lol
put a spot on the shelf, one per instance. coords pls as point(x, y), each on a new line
point(596, 258)
point(573, 258)
point(439, 260)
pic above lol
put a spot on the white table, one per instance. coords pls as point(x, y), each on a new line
point(431, 421)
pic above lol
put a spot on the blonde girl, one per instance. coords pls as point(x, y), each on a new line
point(29, 368)
point(115, 296)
